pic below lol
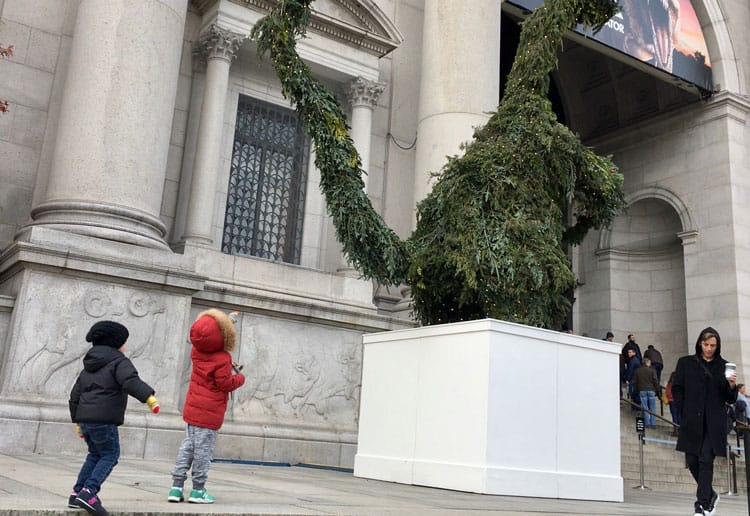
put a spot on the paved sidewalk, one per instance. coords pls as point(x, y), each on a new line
point(40, 484)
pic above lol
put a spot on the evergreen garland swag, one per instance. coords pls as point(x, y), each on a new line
point(490, 237)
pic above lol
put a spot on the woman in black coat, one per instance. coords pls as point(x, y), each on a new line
point(700, 391)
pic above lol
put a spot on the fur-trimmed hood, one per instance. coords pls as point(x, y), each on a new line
point(213, 331)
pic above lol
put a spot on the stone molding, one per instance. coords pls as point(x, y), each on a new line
point(688, 237)
point(101, 220)
point(630, 255)
point(723, 105)
point(43, 247)
point(688, 233)
point(369, 28)
point(363, 92)
point(6, 303)
point(218, 43)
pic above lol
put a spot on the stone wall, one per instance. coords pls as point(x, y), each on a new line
point(300, 402)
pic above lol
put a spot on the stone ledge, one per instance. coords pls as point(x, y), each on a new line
point(44, 247)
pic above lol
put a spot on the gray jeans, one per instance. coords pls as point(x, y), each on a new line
point(196, 451)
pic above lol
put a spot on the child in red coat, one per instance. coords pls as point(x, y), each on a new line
point(213, 337)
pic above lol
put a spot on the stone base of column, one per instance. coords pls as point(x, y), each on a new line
point(188, 241)
point(101, 221)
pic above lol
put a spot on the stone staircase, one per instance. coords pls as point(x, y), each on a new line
point(664, 468)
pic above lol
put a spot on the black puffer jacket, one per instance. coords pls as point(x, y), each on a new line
point(700, 391)
point(100, 395)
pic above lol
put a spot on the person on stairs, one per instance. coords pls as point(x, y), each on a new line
point(672, 405)
point(657, 362)
point(633, 364)
point(701, 390)
point(647, 386)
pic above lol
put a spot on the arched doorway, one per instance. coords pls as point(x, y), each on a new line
point(643, 257)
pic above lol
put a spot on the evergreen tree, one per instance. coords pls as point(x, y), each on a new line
point(490, 237)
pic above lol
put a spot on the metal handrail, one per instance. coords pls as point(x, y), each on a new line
point(644, 409)
point(745, 429)
point(740, 427)
point(642, 436)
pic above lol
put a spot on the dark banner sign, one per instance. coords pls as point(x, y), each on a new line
point(665, 34)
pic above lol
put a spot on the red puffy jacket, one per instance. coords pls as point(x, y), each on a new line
point(213, 336)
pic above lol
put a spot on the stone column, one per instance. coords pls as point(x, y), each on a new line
point(363, 96)
point(460, 80)
point(109, 163)
point(219, 46)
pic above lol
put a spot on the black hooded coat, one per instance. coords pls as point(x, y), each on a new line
point(700, 391)
point(100, 394)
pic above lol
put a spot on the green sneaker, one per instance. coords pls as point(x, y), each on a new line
point(200, 496)
point(175, 495)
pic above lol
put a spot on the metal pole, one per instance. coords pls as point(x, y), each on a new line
point(731, 474)
point(640, 427)
point(746, 439)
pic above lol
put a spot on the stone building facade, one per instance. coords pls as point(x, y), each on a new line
point(151, 168)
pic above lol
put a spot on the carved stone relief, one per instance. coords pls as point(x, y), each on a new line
point(218, 43)
point(362, 92)
point(299, 374)
point(46, 357)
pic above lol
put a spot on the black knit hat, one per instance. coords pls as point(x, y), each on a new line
point(107, 333)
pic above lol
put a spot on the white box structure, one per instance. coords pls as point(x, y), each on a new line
point(492, 407)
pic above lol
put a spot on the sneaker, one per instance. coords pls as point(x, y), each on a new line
point(200, 496)
point(72, 500)
point(714, 503)
point(699, 510)
point(90, 502)
point(175, 495)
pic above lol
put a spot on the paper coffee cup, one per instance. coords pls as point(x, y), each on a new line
point(729, 368)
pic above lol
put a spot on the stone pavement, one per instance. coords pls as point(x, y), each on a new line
point(40, 484)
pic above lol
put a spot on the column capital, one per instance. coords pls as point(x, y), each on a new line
point(218, 43)
point(363, 92)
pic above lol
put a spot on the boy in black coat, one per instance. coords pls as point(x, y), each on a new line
point(700, 391)
point(97, 406)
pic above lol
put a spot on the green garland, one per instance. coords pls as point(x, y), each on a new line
point(372, 248)
point(490, 236)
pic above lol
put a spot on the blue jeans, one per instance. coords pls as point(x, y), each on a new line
point(104, 450)
point(648, 400)
point(675, 412)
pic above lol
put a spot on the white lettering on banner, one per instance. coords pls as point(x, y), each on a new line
point(616, 26)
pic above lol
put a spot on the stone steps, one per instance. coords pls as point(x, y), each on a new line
point(663, 467)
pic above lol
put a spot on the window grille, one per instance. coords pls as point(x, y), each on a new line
point(266, 195)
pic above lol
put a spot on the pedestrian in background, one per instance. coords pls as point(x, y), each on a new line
point(632, 344)
point(647, 387)
point(657, 362)
point(633, 364)
point(672, 405)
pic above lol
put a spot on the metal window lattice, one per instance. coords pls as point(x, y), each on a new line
point(266, 197)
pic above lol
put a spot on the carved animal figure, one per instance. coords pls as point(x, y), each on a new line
point(490, 237)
